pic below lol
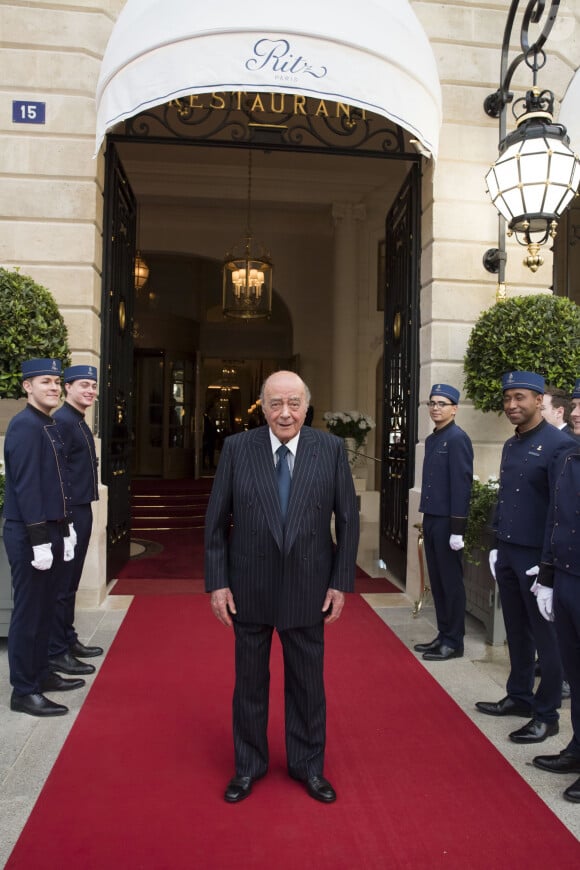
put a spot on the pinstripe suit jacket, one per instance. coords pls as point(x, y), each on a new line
point(279, 574)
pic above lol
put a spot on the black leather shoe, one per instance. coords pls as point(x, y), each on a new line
point(534, 731)
point(572, 793)
point(506, 707)
point(565, 762)
point(67, 664)
point(442, 653)
point(317, 787)
point(36, 705)
point(320, 789)
point(81, 651)
point(426, 647)
point(565, 690)
point(55, 683)
point(238, 788)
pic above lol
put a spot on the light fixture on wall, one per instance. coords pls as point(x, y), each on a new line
point(247, 273)
point(536, 175)
point(141, 269)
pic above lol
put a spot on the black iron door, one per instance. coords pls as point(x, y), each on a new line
point(401, 371)
point(117, 357)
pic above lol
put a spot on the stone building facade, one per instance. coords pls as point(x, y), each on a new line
point(323, 222)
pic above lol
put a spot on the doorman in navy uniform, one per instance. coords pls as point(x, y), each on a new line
point(80, 383)
point(528, 466)
point(558, 592)
point(37, 536)
point(558, 598)
point(445, 493)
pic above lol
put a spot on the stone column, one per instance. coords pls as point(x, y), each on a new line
point(344, 308)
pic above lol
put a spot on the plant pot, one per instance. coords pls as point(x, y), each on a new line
point(6, 594)
point(482, 594)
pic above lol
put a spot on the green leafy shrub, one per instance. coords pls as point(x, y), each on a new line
point(481, 506)
point(31, 326)
point(538, 333)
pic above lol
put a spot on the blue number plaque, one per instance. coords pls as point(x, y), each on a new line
point(24, 112)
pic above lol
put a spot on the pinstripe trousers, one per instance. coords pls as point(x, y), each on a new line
point(304, 698)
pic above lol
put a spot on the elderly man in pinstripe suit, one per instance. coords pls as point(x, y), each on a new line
point(270, 562)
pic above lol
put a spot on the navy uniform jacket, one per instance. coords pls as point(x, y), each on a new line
point(81, 456)
point(448, 476)
point(279, 573)
point(528, 464)
point(562, 544)
point(37, 485)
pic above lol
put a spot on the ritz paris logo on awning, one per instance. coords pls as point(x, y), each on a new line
point(276, 55)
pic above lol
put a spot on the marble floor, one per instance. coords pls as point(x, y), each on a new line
point(30, 746)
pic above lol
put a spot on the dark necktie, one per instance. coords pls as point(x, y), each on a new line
point(283, 475)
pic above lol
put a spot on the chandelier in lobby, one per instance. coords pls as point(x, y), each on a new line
point(537, 174)
point(141, 269)
point(247, 273)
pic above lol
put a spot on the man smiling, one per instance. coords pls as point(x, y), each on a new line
point(80, 383)
point(37, 536)
point(527, 467)
point(270, 562)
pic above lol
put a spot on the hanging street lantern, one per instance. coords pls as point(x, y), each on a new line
point(536, 175)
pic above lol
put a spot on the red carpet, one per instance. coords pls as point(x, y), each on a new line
point(169, 516)
point(150, 754)
point(178, 570)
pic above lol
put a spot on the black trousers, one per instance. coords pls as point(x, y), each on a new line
point(34, 603)
point(304, 698)
point(567, 611)
point(527, 632)
point(445, 568)
point(62, 633)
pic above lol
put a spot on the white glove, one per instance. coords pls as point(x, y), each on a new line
point(545, 599)
point(533, 572)
point(492, 561)
point(42, 557)
point(72, 534)
point(456, 542)
point(69, 549)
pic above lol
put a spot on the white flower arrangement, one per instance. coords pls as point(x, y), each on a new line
point(349, 424)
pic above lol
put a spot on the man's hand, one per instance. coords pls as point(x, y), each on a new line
point(68, 549)
point(72, 534)
point(222, 604)
point(335, 601)
point(456, 542)
point(42, 557)
point(545, 598)
point(492, 561)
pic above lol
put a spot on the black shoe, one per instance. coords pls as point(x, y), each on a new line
point(36, 705)
point(81, 651)
point(565, 762)
point(238, 788)
point(317, 787)
point(572, 793)
point(442, 653)
point(55, 683)
point(565, 690)
point(506, 707)
point(534, 732)
point(67, 664)
point(426, 647)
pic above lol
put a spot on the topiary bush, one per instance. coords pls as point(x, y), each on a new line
point(538, 333)
point(30, 326)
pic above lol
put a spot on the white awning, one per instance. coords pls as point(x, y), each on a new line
point(374, 56)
